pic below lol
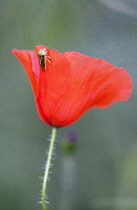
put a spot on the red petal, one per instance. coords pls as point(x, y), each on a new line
point(99, 80)
point(73, 83)
point(29, 60)
point(54, 84)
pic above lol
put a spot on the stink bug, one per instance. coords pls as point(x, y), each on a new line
point(42, 53)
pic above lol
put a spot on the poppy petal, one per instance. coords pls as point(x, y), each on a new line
point(104, 82)
point(55, 82)
point(74, 83)
point(29, 60)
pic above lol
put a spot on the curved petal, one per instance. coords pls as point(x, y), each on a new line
point(101, 81)
point(54, 82)
point(74, 83)
point(30, 62)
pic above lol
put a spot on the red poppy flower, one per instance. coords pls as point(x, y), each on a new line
point(66, 85)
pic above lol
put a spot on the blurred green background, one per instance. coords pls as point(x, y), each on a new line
point(106, 158)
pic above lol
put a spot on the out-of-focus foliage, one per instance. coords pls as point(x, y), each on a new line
point(106, 156)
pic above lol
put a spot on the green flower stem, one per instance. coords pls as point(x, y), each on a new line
point(44, 186)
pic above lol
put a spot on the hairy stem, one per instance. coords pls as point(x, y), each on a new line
point(44, 186)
